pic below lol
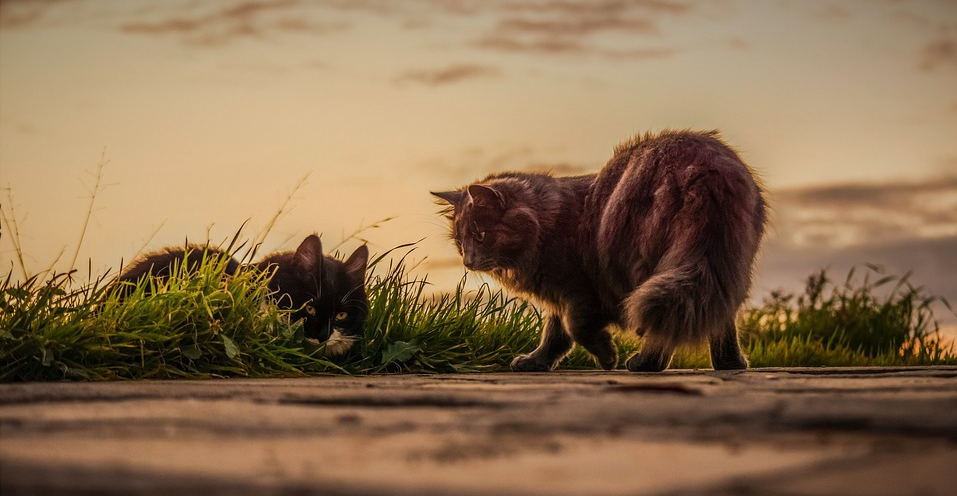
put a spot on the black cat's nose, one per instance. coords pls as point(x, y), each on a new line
point(325, 329)
point(318, 329)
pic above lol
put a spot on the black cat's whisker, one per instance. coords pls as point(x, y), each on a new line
point(346, 297)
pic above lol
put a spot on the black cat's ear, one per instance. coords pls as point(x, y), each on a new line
point(356, 263)
point(484, 196)
point(309, 253)
point(451, 197)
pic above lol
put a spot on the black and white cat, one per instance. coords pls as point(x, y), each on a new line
point(328, 294)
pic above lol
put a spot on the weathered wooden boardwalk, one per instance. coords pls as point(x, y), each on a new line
point(765, 432)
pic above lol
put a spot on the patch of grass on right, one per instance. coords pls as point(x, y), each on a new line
point(872, 323)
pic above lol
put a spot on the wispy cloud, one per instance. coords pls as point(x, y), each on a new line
point(24, 13)
point(506, 43)
point(476, 163)
point(855, 214)
point(615, 29)
point(940, 51)
point(832, 13)
point(577, 28)
point(448, 75)
point(640, 53)
point(582, 24)
point(250, 19)
point(930, 260)
point(738, 43)
point(902, 226)
point(560, 168)
point(936, 21)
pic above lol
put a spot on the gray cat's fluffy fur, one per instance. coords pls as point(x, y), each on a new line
point(662, 240)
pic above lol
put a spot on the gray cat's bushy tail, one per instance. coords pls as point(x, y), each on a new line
point(682, 305)
point(704, 276)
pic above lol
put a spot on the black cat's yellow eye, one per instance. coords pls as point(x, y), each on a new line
point(311, 310)
point(342, 316)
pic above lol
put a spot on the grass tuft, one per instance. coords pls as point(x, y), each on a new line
point(205, 324)
point(885, 322)
point(192, 326)
point(462, 331)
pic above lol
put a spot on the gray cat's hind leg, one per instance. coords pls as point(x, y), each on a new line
point(653, 357)
point(556, 343)
point(599, 344)
point(725, 350)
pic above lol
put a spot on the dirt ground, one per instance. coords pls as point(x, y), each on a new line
point(772, 432)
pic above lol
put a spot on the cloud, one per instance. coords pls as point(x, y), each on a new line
point(832, 13)
point(476, 163)
point(901, 226)
point(581, 28)
point(738, 43)
point(640, 53)
point(846, 215)
point(560, 168)
point(25, 13)
point(578, 26)
point(840, 195)
point(940, 52)
point(616, 29)
point(930, 262)
point(250, 19)
point(449, 75)
point(508, 43)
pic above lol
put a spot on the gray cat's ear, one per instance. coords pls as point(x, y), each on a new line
point(309, 252)
point(485, 196)
point(451, 197)
point(357, 262)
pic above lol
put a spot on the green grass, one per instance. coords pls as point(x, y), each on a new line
point(885, 322)
point(191, 327)
point(207, 325)
point(203, 324)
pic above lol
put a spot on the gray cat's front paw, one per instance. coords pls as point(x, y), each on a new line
point(530, 363)
point(608, 362)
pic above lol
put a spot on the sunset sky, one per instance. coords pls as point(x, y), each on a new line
point(210, 113)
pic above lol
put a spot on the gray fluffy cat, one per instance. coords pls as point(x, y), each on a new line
point(662, 240)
